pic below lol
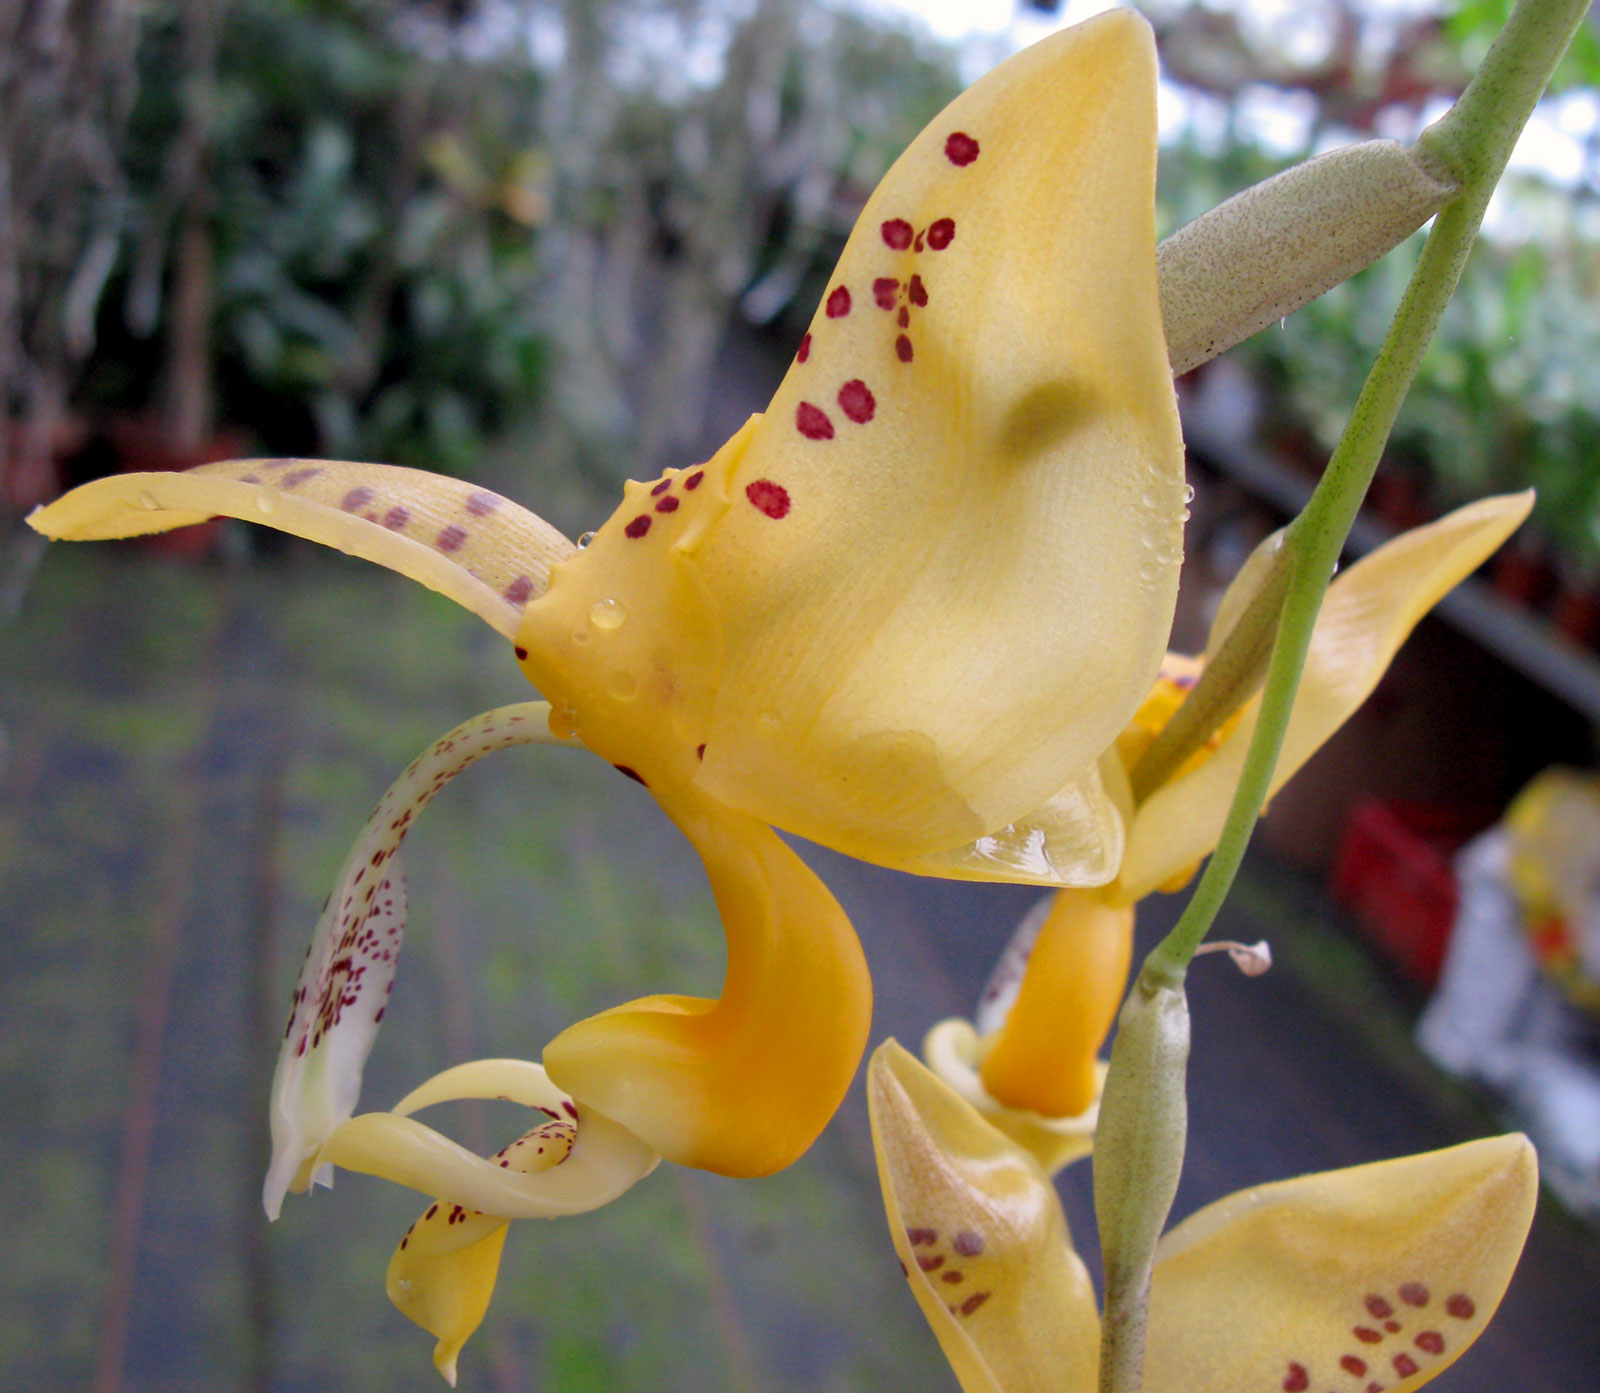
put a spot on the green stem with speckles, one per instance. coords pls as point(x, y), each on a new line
point(1142, 1116)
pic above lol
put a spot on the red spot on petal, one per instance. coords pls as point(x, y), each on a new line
point(1378, 1308)
point(902, 349)
point(903, 319)
point(885, 291)
point(968, 1243)
point(942, 233)
point(1461, 1307)
point(295, 477)
point(896, 234)
point(521, 652)
point(1414, 1294)
point(1297, 1380)
point(839, 302)
point(669, 504)
point(917, 245)
point(931, 1262)
point(519, 590)
point(770, 498)
point(974, 1301)
point(804, 351)
point(1391, 1326)
point(396, 518)
point(960, 148)
point(1405, 1365)
point(482, 503)
point(451, 538)
point(356, 499)
point(920, 1237)
point(633, 774)
point(567, 1107)
point(1374, 1388)
point(857, 402)
point(638, 527)
point(693, 481)
point(1353, 1366)
point(952, 1277)
point(661, 488)
point(812, 422)
point(918, 292)
point(1366, 1334)
point(1430, 1342)
point(700, 751)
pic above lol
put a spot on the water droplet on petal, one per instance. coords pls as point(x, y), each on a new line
point(769, 722)
point(624, 685)
point(564, 721)
point(147, 501)
point(266, 499)
point(607, 614)
point(584, 540)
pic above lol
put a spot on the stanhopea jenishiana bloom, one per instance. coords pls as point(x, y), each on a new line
point(1373, 1279)
point(905, 613)
point(1027, 1060)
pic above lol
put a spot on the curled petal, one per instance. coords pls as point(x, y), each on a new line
point(483, 551)
point(981, 1237)
point(741, 1085)
point(343, 988)
point(925, 591)
point(1381, 1274)
point(952, 1051)
point(1367, 614)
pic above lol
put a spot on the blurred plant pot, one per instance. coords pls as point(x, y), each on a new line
point(1398, 499)
point(30, 476)
point(1576, 611)
point(1523, 573)
point(143, 446)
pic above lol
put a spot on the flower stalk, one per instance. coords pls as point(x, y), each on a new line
point(1468, 147)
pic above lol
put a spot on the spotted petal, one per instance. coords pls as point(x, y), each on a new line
point(483, 551)
point(1367, 614)
point(981, 1237)
point(740, 1085)
point(1377, 1277)
point(923, 593)
point(343, 987)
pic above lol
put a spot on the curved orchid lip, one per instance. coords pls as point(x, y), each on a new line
point(1381, 1274)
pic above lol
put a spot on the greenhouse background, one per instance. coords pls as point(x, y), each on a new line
point(550, 245)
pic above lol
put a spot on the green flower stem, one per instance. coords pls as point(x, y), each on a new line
point(1470, 147)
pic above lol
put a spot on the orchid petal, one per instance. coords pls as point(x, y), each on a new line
point(980, 1234)
point(481, 550)
point(444, 1269)
point(1368, 613)
point(1043, 1057)
point(343, 987)
point(741, 1085)
point(1375, 1277)
point(605, 1161)
point(952, 1051)
point(923, 593)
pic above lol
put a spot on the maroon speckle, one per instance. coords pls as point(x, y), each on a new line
point(521, 652)
point(1378, 1308)
point(396, 518)
point(1297, 1380)
point(903, 319)
point(630, 773)
point(839, 302)
point(917, 245)
point(770, 498)
point(356, 499)
point(1430, 1342)
point(968, 1243)
point(699, 751)
point(519, 590)
point(942, 233)
point(482, 503)
point(295, 477)
point(451, 538)
point(1414, 1294)
point(918, 292)
point(812, 422)
point(693, 481)
point(885, 291)
point(952, 1276)
point(801, 353)
point(638, 527)
point(567, 1107)
point(1461, 1307)
point(919, 1238)
point(1391, 1326)
point(1353, 1366)
point(857, 402)
point(432, 1210)
point(668, 504)
point(902, 349)
point(931, 1262)
point(960, 148)
point(404, 1241)
point(896, 234)
point(379, 1016)
point(661, 488)
point(1374, 1388)
point(1405, 1365)
point(1366, 1334)
point(974, 1301)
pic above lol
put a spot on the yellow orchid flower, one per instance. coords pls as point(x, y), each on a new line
point(905, 614)
point(1028, 1059)
point(1373, 1279)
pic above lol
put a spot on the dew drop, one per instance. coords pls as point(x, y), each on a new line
point(584, 540)
point(266, 499)
point(607, 614)
point(624, 685)
point(1188, 493)
point(564, 721)
point(147, 501)
point(769, 722)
